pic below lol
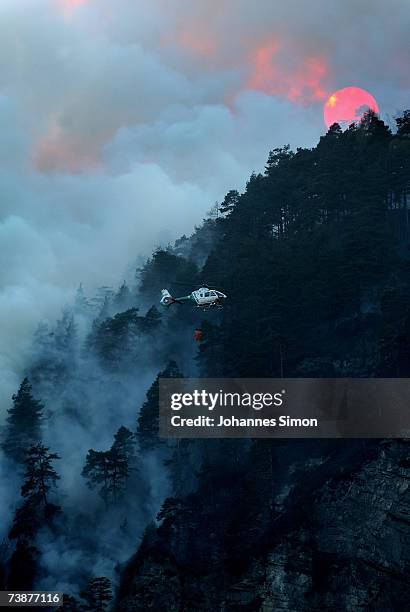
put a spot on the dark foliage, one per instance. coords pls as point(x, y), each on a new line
point(147, 426)
point(23, 423)
point(40, 479)
point(110, 470)
point(23, 566)
point(97, 594)
point(314, 258)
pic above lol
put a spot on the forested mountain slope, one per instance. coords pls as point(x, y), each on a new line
point(314, 257)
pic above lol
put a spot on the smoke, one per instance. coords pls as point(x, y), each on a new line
point(85, 404)
point(9, 488)
point(120, 121)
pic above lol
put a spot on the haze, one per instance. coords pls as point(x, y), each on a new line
point(123, 122)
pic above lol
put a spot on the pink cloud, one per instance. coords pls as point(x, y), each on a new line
point(303, 82)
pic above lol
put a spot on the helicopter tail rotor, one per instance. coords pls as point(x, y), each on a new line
point(166, 299)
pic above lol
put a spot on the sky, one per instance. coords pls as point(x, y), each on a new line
point(123, 121)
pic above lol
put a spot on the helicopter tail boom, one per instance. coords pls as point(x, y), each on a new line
point(166, 299)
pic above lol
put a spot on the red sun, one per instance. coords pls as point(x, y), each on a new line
point(347, 105)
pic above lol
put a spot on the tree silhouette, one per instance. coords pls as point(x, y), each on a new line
point(122, 299)
point(40, 479)
point(403, 124)
point(109, 471)
point(23, 423)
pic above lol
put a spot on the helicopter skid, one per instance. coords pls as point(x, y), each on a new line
point(205, 307)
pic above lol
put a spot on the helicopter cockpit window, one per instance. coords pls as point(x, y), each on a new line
point(207, 294)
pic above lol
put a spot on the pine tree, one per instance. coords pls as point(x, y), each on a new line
point(230, 201)
point(103, 299)
point(152, 320)
point(40, 479)
point(42, 338)
point(113, 339)
point(97, 594)
point(372, 125)
point(65, 348)
point(278, 158)
point(65, 333)
point(124, 451)
point(96, 472)
point(148, 419)
point(122, 299)
point(125, 444)
point(119, 473)
point(403, 124)
point(23, 423)
point(162, 270)
point(42, 350)
point(109, 470)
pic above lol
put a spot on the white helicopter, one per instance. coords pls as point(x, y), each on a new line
point(203, 298)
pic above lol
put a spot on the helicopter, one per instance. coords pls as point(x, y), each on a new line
point(204, 298)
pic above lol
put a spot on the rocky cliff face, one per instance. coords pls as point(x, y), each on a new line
point(337, 537)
